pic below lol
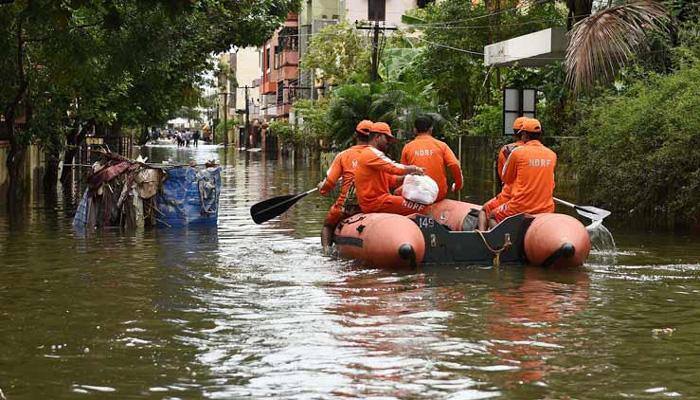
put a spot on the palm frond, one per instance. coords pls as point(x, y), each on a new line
point(605, 41)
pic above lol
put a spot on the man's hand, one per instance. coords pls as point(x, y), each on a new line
point(415, 170)
point(320, 184)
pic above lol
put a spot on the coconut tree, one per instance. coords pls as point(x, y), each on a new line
point(602, 42)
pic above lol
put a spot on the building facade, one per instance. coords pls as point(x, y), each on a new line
point(314, 16)
point(280, 70)
point(388, 11)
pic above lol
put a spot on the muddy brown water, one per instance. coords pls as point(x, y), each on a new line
point(254, 311)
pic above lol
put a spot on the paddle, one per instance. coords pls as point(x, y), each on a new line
point(270, 208)
point(590, 212)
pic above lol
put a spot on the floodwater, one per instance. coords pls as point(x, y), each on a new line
point(254, 311)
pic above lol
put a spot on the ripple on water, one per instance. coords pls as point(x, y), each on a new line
point(254, 311)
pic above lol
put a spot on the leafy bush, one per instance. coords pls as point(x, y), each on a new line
point(231, 125)
point(487, 121)
point(396, 103)
point(286, 132)
point(313, 120)
point(640, 150)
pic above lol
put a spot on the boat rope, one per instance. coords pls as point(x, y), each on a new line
point(496, 252)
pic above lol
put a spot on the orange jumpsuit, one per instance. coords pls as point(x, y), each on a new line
point(433, 156)
point(504, 195)
point(375, 176)
point(343, 166)
point(529, 171)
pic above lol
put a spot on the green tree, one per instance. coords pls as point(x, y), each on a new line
point(339, 54)
point(603, 42)
point(314, 124)
point(112, 64)
point(455, 33)
point(639, 156)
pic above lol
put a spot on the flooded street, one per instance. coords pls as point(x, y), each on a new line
point(254, 311)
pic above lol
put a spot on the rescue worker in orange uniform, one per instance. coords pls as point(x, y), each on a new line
point(433, 155)
point(342, 168)
point(529, 171)
point(503, 154)
point(377, 174)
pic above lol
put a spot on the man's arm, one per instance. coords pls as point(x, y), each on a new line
point(510, 168)
point(385, 164)
point(334, 173)
point(452, 163)
point(395, 181)
point(501, 162)
point(404, 154)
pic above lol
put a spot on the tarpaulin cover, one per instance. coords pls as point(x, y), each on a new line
point(190, 196)
point(81, 214)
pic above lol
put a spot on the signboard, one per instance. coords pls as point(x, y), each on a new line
point(532, 50)
point(518, 103)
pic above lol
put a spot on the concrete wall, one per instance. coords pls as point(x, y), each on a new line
point(318, 9)
point(34, 164)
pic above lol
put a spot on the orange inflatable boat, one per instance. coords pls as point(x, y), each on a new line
point(445, 235)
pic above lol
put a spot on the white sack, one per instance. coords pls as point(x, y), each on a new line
point(420, 189)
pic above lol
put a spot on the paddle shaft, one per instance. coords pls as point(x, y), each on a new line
point(566, 203)
point(591, 212)
point(292, 200)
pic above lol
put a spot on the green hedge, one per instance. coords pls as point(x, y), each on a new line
point(641, 153)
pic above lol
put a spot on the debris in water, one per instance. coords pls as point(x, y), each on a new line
point(662, 332)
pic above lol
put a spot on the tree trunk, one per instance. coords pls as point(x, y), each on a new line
point(53, 158)
point(15, 167)
point(144, 137)
point(18, 150)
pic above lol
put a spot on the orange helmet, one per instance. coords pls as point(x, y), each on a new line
point(383, 128)
point(518, 123)
point(532, 125)
point(364, 127)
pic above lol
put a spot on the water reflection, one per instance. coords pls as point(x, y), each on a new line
point(251, 311)
point(525, 321)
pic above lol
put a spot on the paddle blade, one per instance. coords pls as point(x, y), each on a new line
point(592, 213)
point(270, 208)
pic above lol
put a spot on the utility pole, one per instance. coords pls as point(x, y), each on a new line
point(374, 72)
point(247, 118)
point(225, 119)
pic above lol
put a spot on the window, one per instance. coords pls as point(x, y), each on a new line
point(289, 38)
point(292, 91)
point(376, 10)
point(423, 3)
point(278, 54)
point(280, 93)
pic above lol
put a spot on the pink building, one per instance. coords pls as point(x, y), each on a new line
point(280, 70)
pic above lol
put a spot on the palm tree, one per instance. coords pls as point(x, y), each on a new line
point(603, 42)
